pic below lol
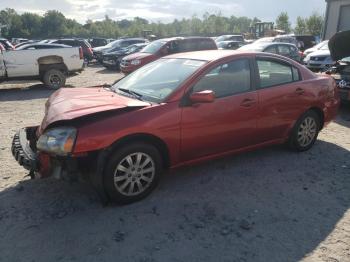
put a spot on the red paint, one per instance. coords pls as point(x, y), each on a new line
point(200, 131)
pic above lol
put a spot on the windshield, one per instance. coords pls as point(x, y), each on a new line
point(324, 47)
point(221, 44)
point(346, 59)
point(322, 44)
point(115, 43)
point(156, 81)
point(153, 47)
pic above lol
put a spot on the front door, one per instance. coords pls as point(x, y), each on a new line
point(230, 121)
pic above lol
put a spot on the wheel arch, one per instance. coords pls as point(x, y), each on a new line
point(52, 62)
point(145, 138)
point(320, 113)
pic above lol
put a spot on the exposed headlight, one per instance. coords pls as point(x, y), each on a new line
point(135, 62)
point(59, 141)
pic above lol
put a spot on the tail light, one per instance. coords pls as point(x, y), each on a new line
point(81, 55)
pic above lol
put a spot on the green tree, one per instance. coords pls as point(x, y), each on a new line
point(300, 27)
point(314, 24)
point(282, 22)
point(53, 24)
point(31, 24)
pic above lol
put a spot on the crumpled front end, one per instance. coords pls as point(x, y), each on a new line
point(24, 151)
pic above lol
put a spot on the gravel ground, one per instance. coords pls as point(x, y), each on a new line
point(267, 205)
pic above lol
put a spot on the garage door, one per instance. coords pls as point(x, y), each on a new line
point(344, 19)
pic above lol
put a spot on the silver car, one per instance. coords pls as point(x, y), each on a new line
point(319, 60)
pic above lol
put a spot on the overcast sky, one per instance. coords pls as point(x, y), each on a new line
point(166, 11)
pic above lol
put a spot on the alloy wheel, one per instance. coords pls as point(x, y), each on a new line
point(134, 174)
point(307, 131)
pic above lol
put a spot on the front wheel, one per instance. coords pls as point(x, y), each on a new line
point(54, 79)
point(305, 131)
point(132, 173)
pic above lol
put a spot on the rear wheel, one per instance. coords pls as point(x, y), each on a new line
point(54, 79)
point(305, 131)
point(132, 173)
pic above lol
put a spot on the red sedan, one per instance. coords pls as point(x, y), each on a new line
point(181, 109)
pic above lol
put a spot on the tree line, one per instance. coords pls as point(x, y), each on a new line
point(54, 24)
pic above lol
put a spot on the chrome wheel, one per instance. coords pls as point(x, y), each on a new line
point(134, 174)
point(307, 131)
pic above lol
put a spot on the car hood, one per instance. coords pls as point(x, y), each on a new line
point(72, 103)
point(339, 45)
point(137, 55)
point(320, 53)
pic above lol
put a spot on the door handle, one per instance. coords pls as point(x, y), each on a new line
point(248, 102)
point(299, 91)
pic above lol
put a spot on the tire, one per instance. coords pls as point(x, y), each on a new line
point(305, 131)
point(125, 180)
point(54, 78)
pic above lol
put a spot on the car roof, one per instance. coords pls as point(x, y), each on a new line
point(208, 55)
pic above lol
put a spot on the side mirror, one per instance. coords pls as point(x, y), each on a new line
point(206, 96)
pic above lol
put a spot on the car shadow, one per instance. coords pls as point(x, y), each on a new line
point(108, 71)
point(37, 91)
point(343, 117)
point(267, 205)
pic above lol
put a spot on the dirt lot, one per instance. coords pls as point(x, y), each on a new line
point(268, 205)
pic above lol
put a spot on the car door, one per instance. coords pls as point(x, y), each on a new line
point(229, 122)
point(282, 97)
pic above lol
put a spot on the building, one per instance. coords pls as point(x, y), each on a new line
point(337, 17)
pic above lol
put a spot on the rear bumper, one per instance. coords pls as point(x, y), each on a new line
point(22, 152)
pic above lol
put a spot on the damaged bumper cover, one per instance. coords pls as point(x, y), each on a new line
point(22, 151)
point(39, 164)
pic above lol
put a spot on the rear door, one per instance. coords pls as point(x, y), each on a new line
point(229, 122)
point(282, 97)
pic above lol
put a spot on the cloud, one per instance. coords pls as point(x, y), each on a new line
point(166, 10)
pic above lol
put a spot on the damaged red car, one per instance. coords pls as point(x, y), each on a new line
point(179, 110)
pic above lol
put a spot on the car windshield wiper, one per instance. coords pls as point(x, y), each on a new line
point(131, 92)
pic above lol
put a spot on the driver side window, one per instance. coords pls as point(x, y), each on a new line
point(226, 79)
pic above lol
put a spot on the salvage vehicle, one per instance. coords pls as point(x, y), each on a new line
point(85, 46)
point(116, 45)
point(163, 47)
point(232, 45)
point(315, 48)
point(340, 51)
point(279, 38)
point(319, 60)
point(51, 66)
point(284, 49)
point(181, 109)
point(111, 60)
point(7, 44)
point(238, 38)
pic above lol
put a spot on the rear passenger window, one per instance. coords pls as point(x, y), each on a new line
point(226, 79)
point(271, 49)
point(283, 50)
point(274, 73)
